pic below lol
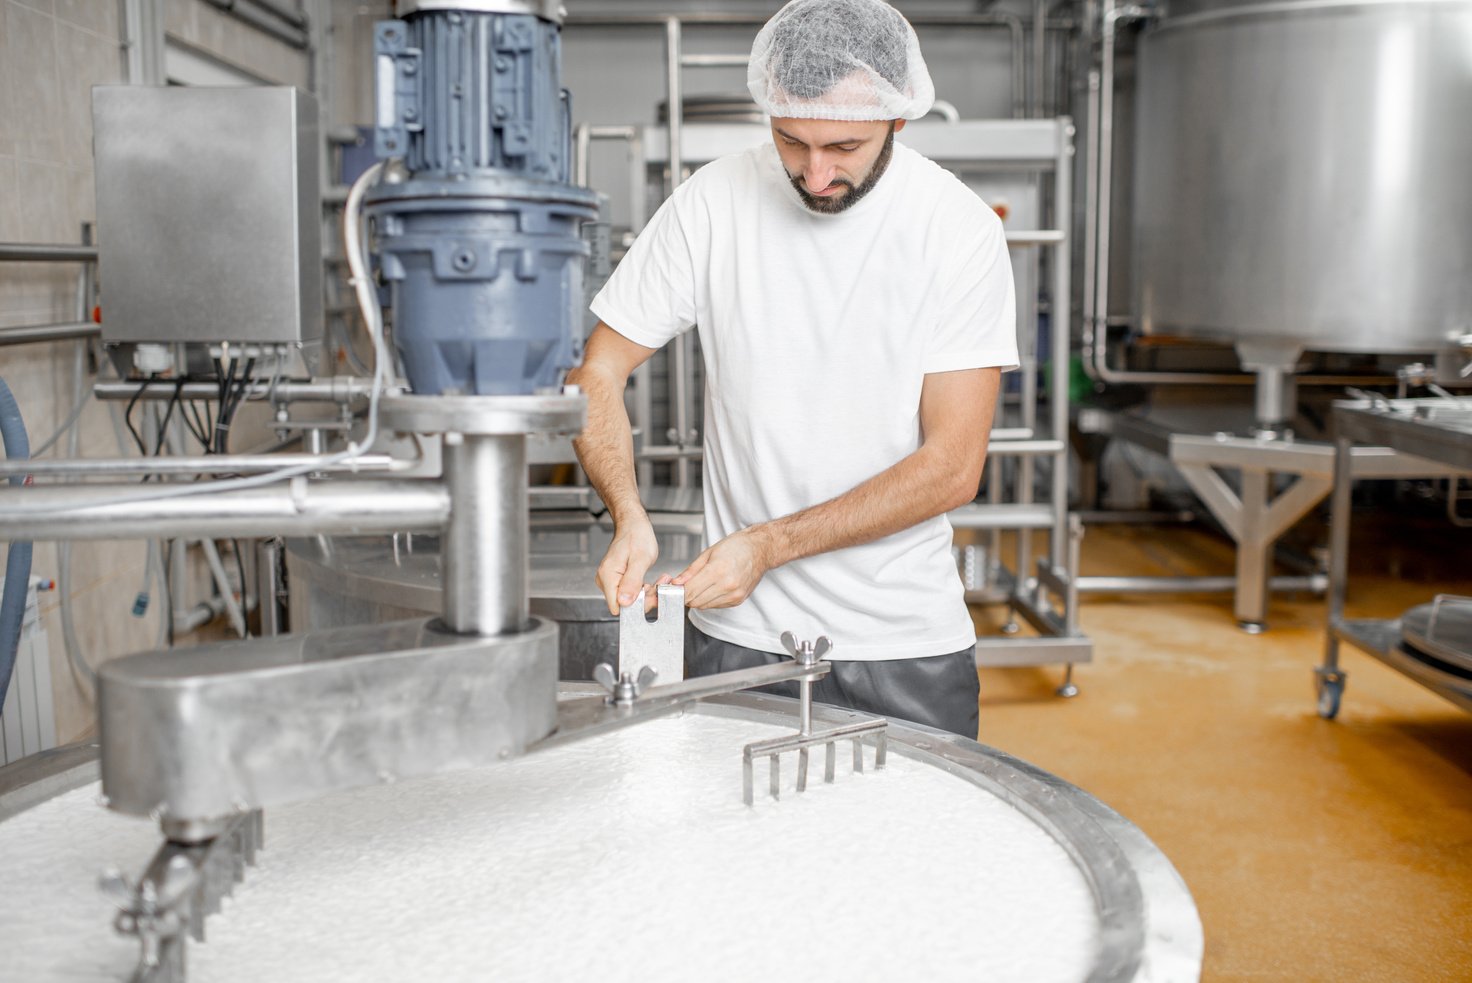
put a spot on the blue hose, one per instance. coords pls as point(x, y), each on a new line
point(18, 557)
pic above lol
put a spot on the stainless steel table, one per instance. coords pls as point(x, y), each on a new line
point(1438, 431)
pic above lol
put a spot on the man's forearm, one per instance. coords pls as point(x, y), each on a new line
point(923, 485)
point(606, 446)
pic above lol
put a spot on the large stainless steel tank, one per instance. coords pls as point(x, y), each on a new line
point(1303, 173)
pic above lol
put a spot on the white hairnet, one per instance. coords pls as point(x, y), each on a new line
point(839, 59)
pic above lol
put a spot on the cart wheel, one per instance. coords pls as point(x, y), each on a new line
point(1330, 686)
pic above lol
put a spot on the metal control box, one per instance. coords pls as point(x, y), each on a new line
point(209, 215)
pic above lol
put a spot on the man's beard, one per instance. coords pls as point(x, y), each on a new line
point(834, 204)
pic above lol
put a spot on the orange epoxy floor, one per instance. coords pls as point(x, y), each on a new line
point(1316, 850)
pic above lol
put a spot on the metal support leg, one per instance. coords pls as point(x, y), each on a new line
point(1254, 554)
point(1254, 520)
point(1329, 679)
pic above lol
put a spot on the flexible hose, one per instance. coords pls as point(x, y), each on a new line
point(18, 557)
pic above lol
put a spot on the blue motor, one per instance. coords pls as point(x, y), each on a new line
point(481, 243)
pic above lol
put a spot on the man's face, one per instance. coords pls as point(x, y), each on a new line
point(833, 163)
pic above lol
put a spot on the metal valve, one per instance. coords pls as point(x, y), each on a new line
point(623, 690)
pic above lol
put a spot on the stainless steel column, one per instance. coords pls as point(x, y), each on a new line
point(485, 546)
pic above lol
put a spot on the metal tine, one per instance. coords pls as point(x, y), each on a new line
point(858, 755)
point(776, 776)
point(831, 749)
point(196, 913)
point(746, 792)
point(802, 769)
point(881, 748)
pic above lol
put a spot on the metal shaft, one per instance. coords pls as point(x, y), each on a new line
point(59, 512)
point(486, 541)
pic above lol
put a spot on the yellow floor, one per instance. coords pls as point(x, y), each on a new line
point(1315, 850)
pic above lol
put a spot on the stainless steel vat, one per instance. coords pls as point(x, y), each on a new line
point(1147, 922)
point(1302, 174)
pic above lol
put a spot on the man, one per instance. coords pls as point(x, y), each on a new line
point(854, 302)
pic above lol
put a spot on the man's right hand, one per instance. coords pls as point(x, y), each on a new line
point(632, 552)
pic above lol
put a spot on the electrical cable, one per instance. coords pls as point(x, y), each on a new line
point(128, 414)
point(353, 233)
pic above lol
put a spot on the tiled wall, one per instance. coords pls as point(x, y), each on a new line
point(51, 54)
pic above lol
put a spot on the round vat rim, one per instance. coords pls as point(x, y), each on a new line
point(1148, 929)
point(1148, 921)
point(1287, 7)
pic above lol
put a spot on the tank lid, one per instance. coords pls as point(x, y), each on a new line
point(551, 10)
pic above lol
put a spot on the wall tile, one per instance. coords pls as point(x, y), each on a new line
point(43, 5)
point(81, 198)
point(7, 85)
point(45, 207)
point(35, 102)
point(9, 202)
point(90, 61)
point(98, 16)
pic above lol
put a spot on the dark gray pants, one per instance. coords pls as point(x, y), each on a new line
point(941, 691)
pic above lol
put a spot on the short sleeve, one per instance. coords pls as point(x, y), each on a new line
point(977, 324)
point(650, 298)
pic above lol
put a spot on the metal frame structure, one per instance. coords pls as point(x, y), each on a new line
point(1252, 512)
point(1403, 428)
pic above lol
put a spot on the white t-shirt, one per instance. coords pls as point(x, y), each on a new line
point(817, 332)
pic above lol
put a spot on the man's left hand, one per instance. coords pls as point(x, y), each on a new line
point(725, 574)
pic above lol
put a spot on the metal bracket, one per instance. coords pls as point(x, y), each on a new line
point(659, 644)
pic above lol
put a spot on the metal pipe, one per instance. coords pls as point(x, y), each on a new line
point(298, 508)
point(1340, 500)
point(265, 23)
point(669, 453)
point(682, 372)
point(31, 334)
point(1314, 584)
point(486, 542)
point(1039, 237)
point(334, 389)
point(585, 135)
point(1039, 54)
point(715, 61)
point(33, 252)
point(1058, 388)
point(222, 585)
point(268, 585)
point(216, 464)
point(1018, 448)
point(1098, 190)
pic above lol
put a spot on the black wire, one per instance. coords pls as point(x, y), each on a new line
point(226, 376)
point(233, 401)
point(128, 416)
point(168, 588)
point(163, 428)
point(196, 424)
